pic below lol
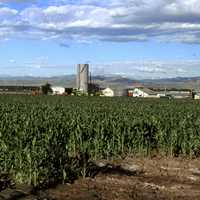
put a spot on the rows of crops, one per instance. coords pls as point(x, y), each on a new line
point(43, 138)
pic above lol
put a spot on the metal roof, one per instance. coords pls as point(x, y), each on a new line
point(148, 91)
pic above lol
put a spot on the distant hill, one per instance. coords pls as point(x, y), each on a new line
point(114, 81)
point(67, 80)
point(179, 82)
point(104, 81)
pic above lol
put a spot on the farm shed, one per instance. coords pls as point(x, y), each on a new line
point(108, 92)
point(143, 92)
point(180, 94)
point(58, 90)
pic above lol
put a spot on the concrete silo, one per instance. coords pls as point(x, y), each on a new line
point(82, 77)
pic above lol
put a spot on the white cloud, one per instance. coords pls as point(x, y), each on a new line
point(12, 61)
point(109, 20)
point(16, 1)
point(137, 69)
point(6, 13)
point(39, 62)
point(145, 69)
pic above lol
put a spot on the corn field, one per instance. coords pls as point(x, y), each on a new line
point(43, 139)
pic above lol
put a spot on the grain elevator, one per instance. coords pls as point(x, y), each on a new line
point(82, 77)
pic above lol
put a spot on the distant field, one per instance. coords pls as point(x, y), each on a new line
point(45, 138)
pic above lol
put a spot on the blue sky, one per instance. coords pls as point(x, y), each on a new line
point(137, 38)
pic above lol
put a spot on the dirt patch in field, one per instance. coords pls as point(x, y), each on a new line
point(149, 179)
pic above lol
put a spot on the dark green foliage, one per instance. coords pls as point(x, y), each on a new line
point(46, 88)
point(69, 90)
point(6, 182)
point(48, 139)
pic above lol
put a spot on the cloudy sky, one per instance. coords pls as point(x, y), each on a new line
point(138, 38)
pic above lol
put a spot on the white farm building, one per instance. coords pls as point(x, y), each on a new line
point(57, 90)
point(108, 92)
point(197, 96)
point(142, 92)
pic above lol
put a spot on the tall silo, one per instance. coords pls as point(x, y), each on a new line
point(82, 77)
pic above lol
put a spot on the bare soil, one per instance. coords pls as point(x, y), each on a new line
point(157, 178)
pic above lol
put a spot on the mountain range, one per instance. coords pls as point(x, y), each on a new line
point(115, 81)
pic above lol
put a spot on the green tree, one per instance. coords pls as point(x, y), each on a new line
point(46, 89)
